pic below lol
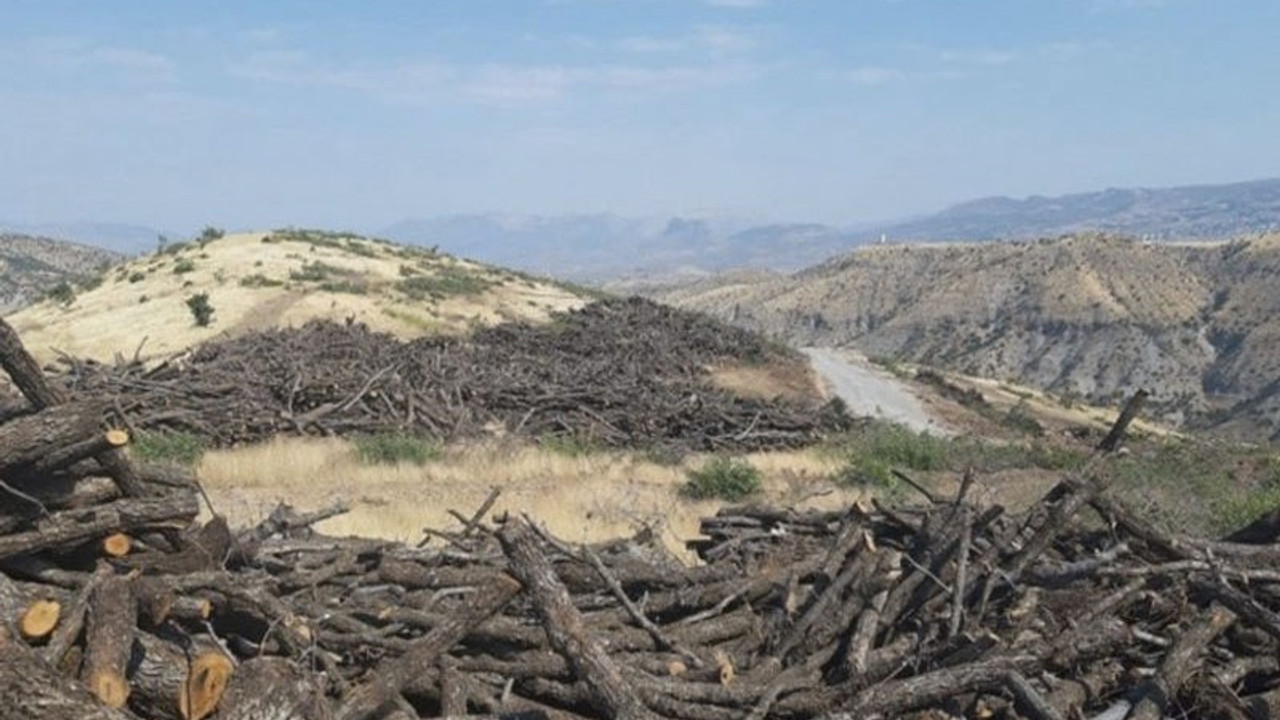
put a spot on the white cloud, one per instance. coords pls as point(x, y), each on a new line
point(498, 83)
point(979, 57)
point(73, 56)
point(874, 75)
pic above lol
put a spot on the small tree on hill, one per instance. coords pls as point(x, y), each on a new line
point(209, 234)
point(200, 308)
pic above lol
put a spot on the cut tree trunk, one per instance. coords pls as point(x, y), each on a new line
point(174, 683)
point(109, 625)
point(72, 526)
point(30, 689)
point(272, 688)
point(30, 438)
point(32, 617)
point(565, 628)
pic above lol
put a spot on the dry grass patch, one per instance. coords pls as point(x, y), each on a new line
point(587, 498)
point(791, 381)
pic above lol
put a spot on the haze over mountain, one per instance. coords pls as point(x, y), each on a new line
point(605, 246)
point(1193, 211)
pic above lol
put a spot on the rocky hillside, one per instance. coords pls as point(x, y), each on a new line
point(1090, 317)
point(254, 281)
point(30, 267)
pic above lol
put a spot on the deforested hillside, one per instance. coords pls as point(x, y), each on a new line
point(254, 281)
point(1087, 316)
point(32, 267)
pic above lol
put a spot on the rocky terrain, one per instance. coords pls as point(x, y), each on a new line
point(32, 266)
point(1088, 317)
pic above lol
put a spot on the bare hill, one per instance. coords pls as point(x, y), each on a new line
point(32, 266)
point(284, 278)
point(1091, 317)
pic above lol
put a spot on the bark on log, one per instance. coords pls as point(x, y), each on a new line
point(270, 688)
point(30, 380)
point(109, 624)
point(72, 526)
point(364, 702)
point(32, 617)
point(31, 689)
point(610, 692)
point(175, 683)
point(26, 440)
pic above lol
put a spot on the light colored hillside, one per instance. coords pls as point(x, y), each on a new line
point(258, 280)
point(1091, 316)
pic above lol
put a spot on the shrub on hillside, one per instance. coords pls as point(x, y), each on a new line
point(726, 478)
point(395, 448)
point(201, 309)
point(180, 448)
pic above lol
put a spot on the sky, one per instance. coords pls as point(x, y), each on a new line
point(251, 114)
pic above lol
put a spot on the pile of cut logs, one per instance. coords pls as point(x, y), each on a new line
point(618, 373)
point(116, 603)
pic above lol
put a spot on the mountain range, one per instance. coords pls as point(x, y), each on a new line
point(606, 247)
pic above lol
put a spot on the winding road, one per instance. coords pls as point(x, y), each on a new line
point(869, 390)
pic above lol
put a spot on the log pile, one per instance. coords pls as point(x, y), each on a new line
point(115, 603)
point(618, 373)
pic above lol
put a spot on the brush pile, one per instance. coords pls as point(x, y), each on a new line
point(617, 373)
point(115, 603)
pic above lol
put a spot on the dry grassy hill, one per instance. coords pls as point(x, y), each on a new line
point(261, 280)
point(1091, 317)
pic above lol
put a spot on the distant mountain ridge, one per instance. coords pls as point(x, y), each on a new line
point(605, 246)
point(602, 247)
point(1187, 212)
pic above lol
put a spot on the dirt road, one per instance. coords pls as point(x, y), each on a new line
point(869, 390)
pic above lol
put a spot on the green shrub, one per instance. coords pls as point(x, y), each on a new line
point(209, 234)
point(201, 309)
point(258, 280)
point(897, 446)
point(185, 265)
point(393, 448)
point(137, 276)
point(866, 472)
point(444, 281)
point(180, 448)
point(317, 271)
point(567, 444)
point(726, 478)
point(62, 293)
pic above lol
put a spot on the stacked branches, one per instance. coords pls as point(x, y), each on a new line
point(1078, 608)
point(617, 373)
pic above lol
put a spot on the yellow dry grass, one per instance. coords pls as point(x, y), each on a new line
point(142, 303)
point(793, 381)
point(594, 497)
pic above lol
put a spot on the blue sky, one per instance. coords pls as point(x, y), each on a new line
point(359, 114)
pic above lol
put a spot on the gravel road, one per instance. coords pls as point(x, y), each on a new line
point(869, 390)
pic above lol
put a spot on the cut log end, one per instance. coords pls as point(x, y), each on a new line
point(116, 545)
point(191, 608)
point(117, 438)
point(210, 673)
point(39, 620)
point(110, 687)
